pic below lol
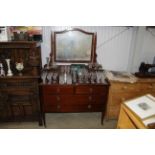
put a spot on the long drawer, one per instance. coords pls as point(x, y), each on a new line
point(135, 87)
point(74, 99)
point(74, 108)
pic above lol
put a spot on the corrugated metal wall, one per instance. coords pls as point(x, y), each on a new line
point(149, 46)
point(118, 48)
point(113, 44)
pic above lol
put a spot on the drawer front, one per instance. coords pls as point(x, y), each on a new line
point(91, 89)
point(149, 87)
point(99, 99)
point(50, 89)
point(135, 87)
point(51, 99)
point(83, 108)
point(120, 87)
point(17, 84)
point(82, 99)
point(73, 99)
point(52, 108)
point(116, 99)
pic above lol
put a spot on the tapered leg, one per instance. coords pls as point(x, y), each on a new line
point(44, 120)
point(102, 118)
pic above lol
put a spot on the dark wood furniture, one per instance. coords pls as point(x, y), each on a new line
point(121, 91)
point(71, 46)
point(74, 98)
point(20, 94)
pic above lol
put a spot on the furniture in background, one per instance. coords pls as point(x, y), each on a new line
point(21, 91)
point(128, 120)
point(72, 81)
point(121, 91)
point(137, 113)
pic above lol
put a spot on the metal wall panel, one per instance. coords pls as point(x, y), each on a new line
point(113, 44)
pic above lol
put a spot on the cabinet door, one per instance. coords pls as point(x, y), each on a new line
point(23, 105)
point(4, 108)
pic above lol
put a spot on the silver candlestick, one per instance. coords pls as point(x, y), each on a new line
point(9, 72)
point(2, 72)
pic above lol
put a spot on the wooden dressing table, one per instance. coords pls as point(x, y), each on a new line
point(70, 88)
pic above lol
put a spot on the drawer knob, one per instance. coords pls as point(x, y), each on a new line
point(125, 87)
point(89, 106)
point(122, 99)
point(58, 98)
point(91, 90)
point(58, 90)
point(58, 106)
point(150, 86)
point(90, 98)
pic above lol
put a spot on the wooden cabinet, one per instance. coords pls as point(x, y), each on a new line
point(128, 120)
point(74, 98)
point(19, 95)
point(121, 91)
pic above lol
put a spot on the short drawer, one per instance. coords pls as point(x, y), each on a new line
point(52, 89)
point(84, 89)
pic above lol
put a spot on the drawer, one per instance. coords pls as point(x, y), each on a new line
point(147, 87)
point(51, 99)
point(52, 108)
point(135, 87)
point(116, 99)
point(83, 108)
point(16, 84)
point(51, 89)
point(84, 99)
point(85, 89)
point(119, 87)
point(74, 99)
point(77, 99)
point(97, 99)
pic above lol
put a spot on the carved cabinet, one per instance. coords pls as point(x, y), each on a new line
point(19, 94)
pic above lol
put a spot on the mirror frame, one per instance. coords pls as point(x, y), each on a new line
point(93, 47)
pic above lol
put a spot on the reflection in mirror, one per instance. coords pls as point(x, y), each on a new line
point(74, 46)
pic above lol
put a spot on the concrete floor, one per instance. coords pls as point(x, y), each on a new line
point(65, 121)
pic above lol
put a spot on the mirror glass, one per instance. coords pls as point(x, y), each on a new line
point(73, 46)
